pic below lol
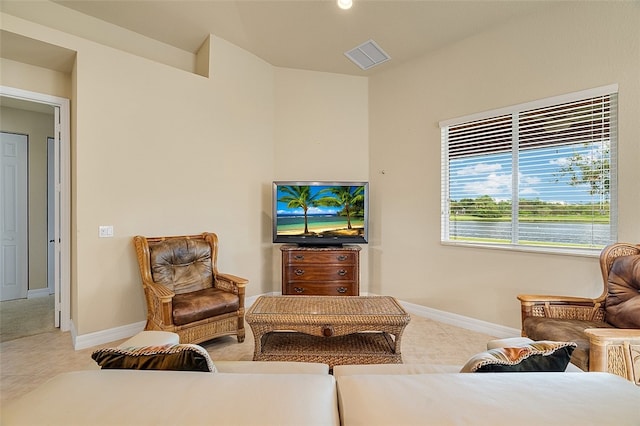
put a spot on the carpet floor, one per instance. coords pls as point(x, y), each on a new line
point(29, 361)
point(26, 317)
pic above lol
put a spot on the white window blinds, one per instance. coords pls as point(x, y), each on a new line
point(538, 174)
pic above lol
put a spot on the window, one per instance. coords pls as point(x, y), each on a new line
point(541, 174)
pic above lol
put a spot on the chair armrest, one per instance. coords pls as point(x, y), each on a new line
point(538, 298)
point(564, 307)
point(233, 284)
point(232, 280)
point(159, 302)
point(159, 291)
point(616, 351)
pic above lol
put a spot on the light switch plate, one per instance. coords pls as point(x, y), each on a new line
point(105, 231)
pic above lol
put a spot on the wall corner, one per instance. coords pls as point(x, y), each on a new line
point(203, 55)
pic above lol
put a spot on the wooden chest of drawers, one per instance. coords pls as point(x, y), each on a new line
point(321, 271)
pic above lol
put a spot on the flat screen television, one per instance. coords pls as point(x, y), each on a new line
point(320, 213)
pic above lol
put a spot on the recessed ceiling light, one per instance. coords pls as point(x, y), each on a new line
point(345, 4)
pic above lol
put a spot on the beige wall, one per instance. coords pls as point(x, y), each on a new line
point(161, 151)
point(321, 126)
point(37, 126)
point(35, 79)
point(580, 46)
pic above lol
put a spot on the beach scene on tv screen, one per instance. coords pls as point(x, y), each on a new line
point(316, 210)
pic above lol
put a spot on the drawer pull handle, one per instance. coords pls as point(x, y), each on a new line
point(298, 289)
point(342, 290)
point(342, 257)
point(299, 272)
point(327, 331)
point(298, 257)
point(342, 272)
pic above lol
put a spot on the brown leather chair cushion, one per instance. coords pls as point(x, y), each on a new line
point(623, 298)
point(181, 264)
point(202, 304)
point(564, 330)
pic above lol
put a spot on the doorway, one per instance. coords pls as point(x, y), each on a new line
point(61, 260)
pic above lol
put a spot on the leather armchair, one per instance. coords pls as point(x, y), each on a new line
point(613, 318)
point(184, 291)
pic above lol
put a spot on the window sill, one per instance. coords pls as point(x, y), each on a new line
point(540, 250)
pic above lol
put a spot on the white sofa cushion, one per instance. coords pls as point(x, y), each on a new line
point(352, 370)
point(151, 397)
point(271, 367)
point(488, 399)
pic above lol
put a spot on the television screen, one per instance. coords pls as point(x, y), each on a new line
point(320, 213)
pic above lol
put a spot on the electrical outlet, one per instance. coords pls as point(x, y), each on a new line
point(105, 231)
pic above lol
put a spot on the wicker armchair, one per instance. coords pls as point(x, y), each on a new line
point(184, 291)
point(613, 341)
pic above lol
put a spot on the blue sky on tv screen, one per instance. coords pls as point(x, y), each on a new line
point(282, 208)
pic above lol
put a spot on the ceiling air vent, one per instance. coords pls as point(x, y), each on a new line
point(367, 55)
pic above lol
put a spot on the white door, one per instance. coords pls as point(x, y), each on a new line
point(13, 216)
point(51, 216)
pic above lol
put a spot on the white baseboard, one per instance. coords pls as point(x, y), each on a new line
point(105, 336)
point(39, 292)
point(461, 321)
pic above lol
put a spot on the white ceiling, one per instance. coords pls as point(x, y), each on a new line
point(307, 34)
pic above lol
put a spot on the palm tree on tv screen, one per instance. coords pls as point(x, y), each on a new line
point(349, 197)
point(300, 196)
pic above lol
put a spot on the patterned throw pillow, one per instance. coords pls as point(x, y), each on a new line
point(181, 357)
point(536, 356)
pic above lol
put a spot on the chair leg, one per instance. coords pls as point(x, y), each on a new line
point(241, 335)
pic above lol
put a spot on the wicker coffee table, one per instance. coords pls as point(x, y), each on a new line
point(333, 330)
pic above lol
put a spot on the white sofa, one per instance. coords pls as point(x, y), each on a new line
point(242, 393)
point(304, 394)
point(289, 393)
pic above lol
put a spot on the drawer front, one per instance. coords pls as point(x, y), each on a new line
point(320, 273)
point(321, 289)
point(324, 257)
